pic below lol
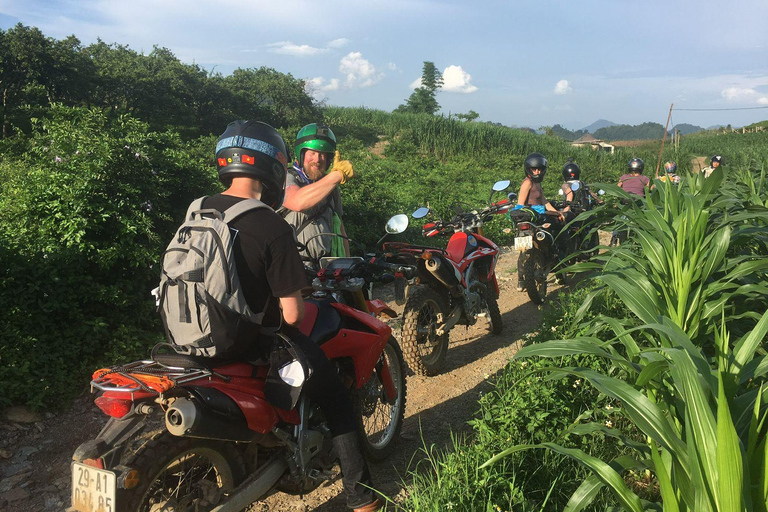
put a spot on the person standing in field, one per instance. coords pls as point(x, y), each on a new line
point(312, 202)
point(634, 183)
point(714, 163)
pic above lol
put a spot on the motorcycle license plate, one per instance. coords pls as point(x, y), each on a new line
point(523, 243)
point(93, 489)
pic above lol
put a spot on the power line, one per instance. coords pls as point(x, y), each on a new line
point(711, 109)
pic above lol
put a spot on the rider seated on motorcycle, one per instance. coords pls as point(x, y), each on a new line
point(571, 175)
point(670, 173)
point(532, 195)
point(251, 162)
point(634, 183)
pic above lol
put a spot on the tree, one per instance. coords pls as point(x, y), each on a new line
point(469, 116)
point(276, 98)
point(422, 100)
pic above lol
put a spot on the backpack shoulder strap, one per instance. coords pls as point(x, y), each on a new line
point(242, 207)
point(196, 205)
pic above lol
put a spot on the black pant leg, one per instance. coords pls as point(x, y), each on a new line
point(325, 387)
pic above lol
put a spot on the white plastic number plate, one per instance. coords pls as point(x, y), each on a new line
point(523, 243)
point(93, 489)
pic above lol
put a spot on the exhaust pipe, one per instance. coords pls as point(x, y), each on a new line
point(189, 418)
point(443, 272)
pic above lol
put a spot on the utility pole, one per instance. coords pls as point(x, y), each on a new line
point(663, 139)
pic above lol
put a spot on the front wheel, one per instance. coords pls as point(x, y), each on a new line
point(535, 273)
point(423, 348)
point(380, 420)
point(183, 475)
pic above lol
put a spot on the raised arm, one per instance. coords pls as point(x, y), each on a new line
point(302, 198)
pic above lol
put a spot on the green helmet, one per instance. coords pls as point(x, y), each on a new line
point(317, 137)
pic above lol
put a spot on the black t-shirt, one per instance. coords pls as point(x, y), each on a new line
point(268, 263)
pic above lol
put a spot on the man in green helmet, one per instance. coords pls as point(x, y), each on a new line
point(312, 199)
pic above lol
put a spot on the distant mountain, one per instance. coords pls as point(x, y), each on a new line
point(647, 131)
point(600, 123)
point(685, 128)
point(566, 134)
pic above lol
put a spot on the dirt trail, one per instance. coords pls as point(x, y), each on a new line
point(439, 405)
point(35, 457)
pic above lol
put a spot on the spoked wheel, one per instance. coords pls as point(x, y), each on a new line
point(183, 475)
point(536, 272)
point(381, 419)
point(424, 350)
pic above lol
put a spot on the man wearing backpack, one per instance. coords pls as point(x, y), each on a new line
point(251, 162)
point(312, 199)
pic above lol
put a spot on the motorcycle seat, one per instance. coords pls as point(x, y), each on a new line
point(190, 362)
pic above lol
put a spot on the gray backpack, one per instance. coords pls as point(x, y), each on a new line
point(200, 298)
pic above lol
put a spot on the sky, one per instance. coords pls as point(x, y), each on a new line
point(516, 62)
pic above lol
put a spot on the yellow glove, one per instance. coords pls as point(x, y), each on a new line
point(342, 166)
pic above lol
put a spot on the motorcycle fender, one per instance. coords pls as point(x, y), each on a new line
point(378, 307)
point(114, 434)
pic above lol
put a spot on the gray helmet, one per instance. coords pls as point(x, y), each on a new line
point(255, 149)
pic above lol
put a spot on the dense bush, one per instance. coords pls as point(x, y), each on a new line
point(85, 212)
point(524, 407)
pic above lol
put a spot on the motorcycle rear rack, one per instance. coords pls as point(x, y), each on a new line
point(175, 374)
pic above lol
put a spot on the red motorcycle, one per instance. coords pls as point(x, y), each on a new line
point(188, 435)
point(455, 285)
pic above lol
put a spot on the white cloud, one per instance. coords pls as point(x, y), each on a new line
point(763, 100)
point(455, 79)
point(319, 85)
point(288, 48)
point(338, 43)
point(416, 83)
point(392, 66)
point(562, 87)
point(738, 93)
point(358, 72)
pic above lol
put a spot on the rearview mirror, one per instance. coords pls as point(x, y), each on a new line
point(420, 213)
point(397, 224)
point(501, 185)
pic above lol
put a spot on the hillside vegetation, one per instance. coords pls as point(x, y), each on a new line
point(104, 148)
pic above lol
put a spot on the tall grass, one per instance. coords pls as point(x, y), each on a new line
point(699, 398)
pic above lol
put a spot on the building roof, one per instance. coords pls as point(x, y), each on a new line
point(587, 138)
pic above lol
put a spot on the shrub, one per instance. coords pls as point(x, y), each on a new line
point(84, 216)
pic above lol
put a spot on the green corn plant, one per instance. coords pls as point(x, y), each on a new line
point(677, 263)
point(705, 425)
